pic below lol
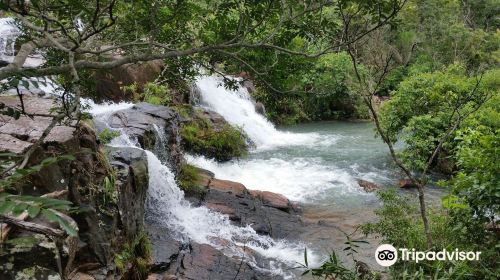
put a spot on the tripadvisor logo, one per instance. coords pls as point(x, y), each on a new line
point(387, 255)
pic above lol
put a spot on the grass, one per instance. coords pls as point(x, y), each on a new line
point(133, 261)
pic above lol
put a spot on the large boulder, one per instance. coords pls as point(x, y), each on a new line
point(155, 127)
point(110, 83)
point(268, 213)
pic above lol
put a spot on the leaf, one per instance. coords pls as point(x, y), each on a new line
point(6, 206)
point(54, 217)
point(33, 211)
point(28, 241)
point(19, 208)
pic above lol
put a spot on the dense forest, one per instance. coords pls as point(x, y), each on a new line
point(424, 73)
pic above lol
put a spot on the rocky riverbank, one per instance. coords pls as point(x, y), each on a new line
point(108, 186)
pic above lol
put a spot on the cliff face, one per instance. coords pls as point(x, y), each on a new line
point(107, 214)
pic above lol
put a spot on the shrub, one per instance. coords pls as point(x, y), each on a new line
point(400, 226)
point(222, 142)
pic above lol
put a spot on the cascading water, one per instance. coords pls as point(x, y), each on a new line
point(9, 33)
point(167, 207)
point(297, 165)
point(238, 109)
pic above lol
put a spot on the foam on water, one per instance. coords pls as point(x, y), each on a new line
point(299, 179)
point(8, 35)
point(167, 207)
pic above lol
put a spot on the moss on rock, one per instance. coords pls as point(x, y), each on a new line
point(207, 133)
point(189, 180)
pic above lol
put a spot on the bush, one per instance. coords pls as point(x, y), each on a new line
point(400, 225)
point(222, 142)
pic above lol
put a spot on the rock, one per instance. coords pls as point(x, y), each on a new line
point(3, 63)
point(11, 144)
point(131, 169)
point(155, 127)
point(274, 200)
point(82, 276)
point(268, 213)
point(406, 184)
point(165, 248)
point(221, 208)
point(109, 83)
point(202, 261)
point(17, 135)
point(367, 185)
point(259, 108)
point(227, 186)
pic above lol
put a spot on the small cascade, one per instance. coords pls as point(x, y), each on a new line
point(8, 35)
point(168, 208)
point(237, 108)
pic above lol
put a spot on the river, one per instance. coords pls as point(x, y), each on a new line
point(316, 165)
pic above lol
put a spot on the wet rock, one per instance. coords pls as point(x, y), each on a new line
point(155, 127)
point(131, 169)
point(407, 184)
point(270, 199)
point(202, 261)
point(367, 185)
point(110, 83)
point(227, 186)
point(268, 213)
point(165, 248)
point(260, 108)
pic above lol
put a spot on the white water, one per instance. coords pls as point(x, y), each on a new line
point(300, 179)
point(168, 208)
point(9, 33)
point(238, 109)
point(292, 164)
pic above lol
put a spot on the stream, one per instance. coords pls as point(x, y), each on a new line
point(315, 165)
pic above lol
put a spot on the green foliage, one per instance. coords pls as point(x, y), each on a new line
point(426, 105)
point(153, 93)
point(399, 224)
point(107, 135)
point(11, 204)
point(333, 268)
point(219, 141)
point(189, 179)
point(47, 207)
point(133, 260)
point(20, 174)
point(156, 94)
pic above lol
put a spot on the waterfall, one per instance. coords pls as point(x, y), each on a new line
point(237, 108)
point(168, 208)
point(9, 33)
